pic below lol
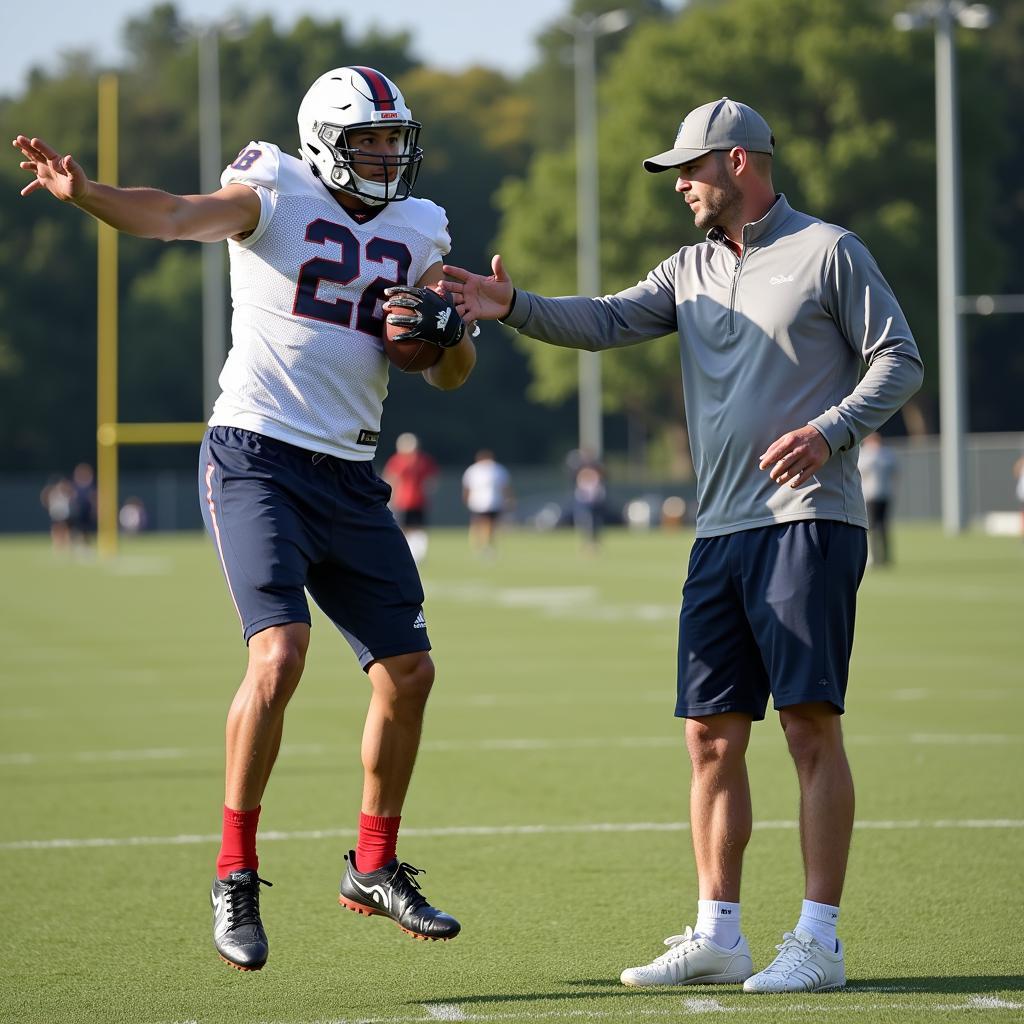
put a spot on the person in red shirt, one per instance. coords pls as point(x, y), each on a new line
point(411, 473)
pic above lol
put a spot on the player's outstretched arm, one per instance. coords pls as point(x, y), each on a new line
point(146, 212)
point(477, 297)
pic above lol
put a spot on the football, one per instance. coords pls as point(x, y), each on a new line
point(409, 356)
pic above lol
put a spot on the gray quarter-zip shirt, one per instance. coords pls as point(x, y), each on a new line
point(768, 342)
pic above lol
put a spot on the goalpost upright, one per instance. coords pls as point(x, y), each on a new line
point(110, 434)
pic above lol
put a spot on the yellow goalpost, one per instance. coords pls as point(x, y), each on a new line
point(110, 434)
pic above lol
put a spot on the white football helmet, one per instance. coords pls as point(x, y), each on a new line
point(339, 102)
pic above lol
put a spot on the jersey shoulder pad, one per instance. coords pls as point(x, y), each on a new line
point(422, 213)
point(258, 163)
point(429, 220)
point(295, 176)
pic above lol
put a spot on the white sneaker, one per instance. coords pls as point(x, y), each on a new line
point(693, 961)
point(803, 965)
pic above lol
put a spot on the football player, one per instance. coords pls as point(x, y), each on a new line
point(287, 486)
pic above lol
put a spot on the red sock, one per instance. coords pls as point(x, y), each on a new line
point(378, 840)
point(238, 842)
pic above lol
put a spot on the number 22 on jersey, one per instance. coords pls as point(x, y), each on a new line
point(344, 271)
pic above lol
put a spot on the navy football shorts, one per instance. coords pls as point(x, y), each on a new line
point(286, 521)
point(769, 611)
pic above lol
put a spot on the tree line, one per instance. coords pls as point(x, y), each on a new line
point(851, 102)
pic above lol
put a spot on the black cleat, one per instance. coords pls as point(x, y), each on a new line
point(393, 891)
point(237, 929)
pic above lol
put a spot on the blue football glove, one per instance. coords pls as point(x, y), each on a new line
point(430, 317)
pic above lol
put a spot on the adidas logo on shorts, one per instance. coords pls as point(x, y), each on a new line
point(420, 623)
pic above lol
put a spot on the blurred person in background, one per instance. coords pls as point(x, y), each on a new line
point(411, 472)
point(878, 471)
point(777, 315)
point(1018, 476)
point(82, 520)
point(588, 503)
point(487, 493)
point(57, 497)
point(132, 517)
point(287, 486)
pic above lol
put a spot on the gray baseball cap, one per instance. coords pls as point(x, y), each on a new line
point(721, 124)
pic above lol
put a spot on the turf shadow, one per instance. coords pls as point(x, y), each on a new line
point(968, 983)
point(614, 989)
point(608, 988)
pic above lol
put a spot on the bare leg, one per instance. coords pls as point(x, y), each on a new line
point(256, 718)
point(720, 812)
point(815, 737)
point(391, 735)
point(490, 531)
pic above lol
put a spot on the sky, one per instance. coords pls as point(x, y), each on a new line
point(449, 35)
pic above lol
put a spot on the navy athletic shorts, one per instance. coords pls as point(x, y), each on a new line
point(285, 521)
point(769, 611)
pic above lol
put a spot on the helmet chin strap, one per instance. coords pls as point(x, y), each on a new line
point(363, 190)
point(368, 193)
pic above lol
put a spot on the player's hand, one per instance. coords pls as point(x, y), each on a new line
point(477, 297)
point(59, 175)
point(426, 315)
point(795, 457)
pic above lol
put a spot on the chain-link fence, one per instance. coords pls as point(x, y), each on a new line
point(170, 498)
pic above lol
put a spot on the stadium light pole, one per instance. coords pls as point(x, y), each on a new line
point(210, 165)
point(585, 30)
point(945, 15)
point(108, 144)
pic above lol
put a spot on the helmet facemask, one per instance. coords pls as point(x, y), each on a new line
point(398, 186)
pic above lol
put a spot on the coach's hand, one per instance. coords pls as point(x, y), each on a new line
point(477, 297)
point(426, 315)
point(795, 457)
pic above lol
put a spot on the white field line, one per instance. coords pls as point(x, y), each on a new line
point(989, 1003)
point(703, 1005)
point(776, 1006)
point(580, 603)
point(487, 745)
point(350, 703)
point(444, 1011)
point(584, 828)
point(587, 602)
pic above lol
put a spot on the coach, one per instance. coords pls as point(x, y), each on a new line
point(777, 314)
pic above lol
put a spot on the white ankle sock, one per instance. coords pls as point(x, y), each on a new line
point(718, 921)
point(820, 920)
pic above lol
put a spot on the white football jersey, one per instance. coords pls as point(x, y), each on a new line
point(486, 484)
point(307, 365)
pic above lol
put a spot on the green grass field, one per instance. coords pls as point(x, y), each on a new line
point(548, 805)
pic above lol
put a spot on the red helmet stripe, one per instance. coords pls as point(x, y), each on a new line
point(379, 89)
